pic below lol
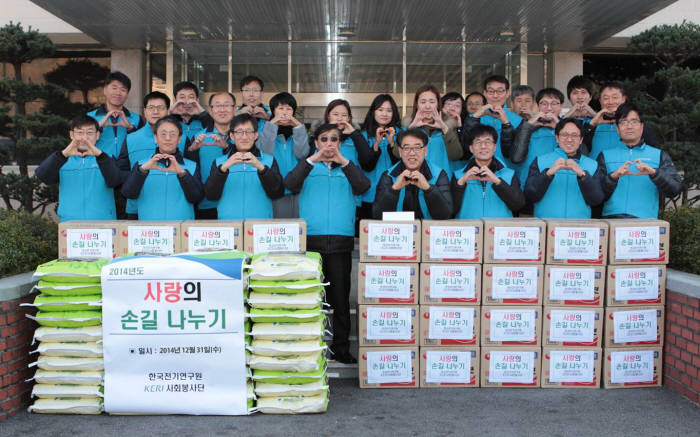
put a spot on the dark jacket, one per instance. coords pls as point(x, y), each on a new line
point(507, 136)
point(510, 194)
point(438, 197)
point(270, 179)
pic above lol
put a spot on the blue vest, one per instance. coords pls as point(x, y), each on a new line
point(327, 203)
point(162, 197)
point(140, 146)
point(437, 151)
point(542, 142)
point(284, 154)
point(489, 120)
point(243, 196)
point(112, 137)
point(383, 164)
point(349, 151)
point(481, 201)
point(83, 193)
point(207, 155)
point(434, 173)
point(563, 198)
point(190, 131)
point(637, 196)
point(605, 137)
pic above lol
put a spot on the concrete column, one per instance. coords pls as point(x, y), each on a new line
point(132, 62)
point(561, 67)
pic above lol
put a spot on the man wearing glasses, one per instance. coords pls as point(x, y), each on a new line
point(564, 183)
point(485, 188)
point(634, 172)
point(414, 184)
point(327, 183)
point(251, 95)
point(212, 143)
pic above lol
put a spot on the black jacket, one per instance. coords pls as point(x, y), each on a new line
point(49, 170)
point(437, 197)
point(538, 182)
point(368, 157)
point(270, 178)
point(510, 194)
point(191, 184)
point(507, 137)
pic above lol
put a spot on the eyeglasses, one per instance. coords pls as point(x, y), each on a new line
point(327, 139)
point(632, 122)
point(156, 107)
point(88, 133)
point(488, 142)
point(168, 134)
point(221, 106)
point(251, 90)
point(241, 133)
point(496, 91)
point(546, 104)
point(567, 135)
point(411, 149)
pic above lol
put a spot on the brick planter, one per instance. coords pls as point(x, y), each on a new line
point(16, 332)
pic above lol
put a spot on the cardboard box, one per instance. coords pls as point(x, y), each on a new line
point(449, 326)
point(517, 240)
point(274, 235)
point(384, 325)
point(211, 235)
point(638, 241)
point(512, 358)
point(453, 241)
point(574, 285)
point(387, 283)
point(578, 242)
point(88, 239)
point(639, 285)
point(572, 326)
point(449, 284)
point(381, 367)
point(577, 367)
point(638, 372)
point(512, 327)
point(392, 241)
point(638, 328)
point(158, 238)
point(512, 284)
point(447, 367)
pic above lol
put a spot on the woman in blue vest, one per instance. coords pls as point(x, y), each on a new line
point(564, 183)
point(327, 183)
point(382, 122)
point(166, 186)
point(86, 175)
point(414, 183)
point(485, 187)
point(443, 142)
point(245, 181)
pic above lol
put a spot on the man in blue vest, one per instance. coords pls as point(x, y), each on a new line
point(85, 174)
point(327, 183)
point(522, 101)
point(251, 99)
point(564, 183)
point(246, 180)
point(579, 90)
point(485, 188)
point(414, 184)
point(187, 107)
point(166, 186)
point(635, 172)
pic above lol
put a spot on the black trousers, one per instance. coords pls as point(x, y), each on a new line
point(206, 214)
point(337, 268)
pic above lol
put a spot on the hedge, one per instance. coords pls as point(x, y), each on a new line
point(25, 242)
point(685, 239)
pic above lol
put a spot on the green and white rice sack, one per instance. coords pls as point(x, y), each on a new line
point(52, 334)
point(68, 319)
point(288, 331)
point(267, 389)
point(50, 391)
point(293, 404)
point(70, 349)
point(61, 363)
point(71, 271)
point(274, 348)
point(288, 287)
point(68, 289)
point(67, 405)
point(49, 303)
point(285, 266)
point(306, 300)
point(69, 377)
point(285, 315)
point(282, 377)
point(290, 363)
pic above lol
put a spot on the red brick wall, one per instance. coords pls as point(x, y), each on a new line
point(16, 332)
point(682, 345)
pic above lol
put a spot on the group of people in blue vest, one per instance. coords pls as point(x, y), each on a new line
point(452, 157)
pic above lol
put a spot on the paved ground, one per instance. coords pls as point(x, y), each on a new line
point(419, 412)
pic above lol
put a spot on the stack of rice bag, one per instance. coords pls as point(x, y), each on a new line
point(70, 366)
point(287, 352)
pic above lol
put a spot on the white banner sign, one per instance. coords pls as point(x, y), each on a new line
point(637, 242)
point(511, 366)
point(571, 366)
point(155, 240)
point(633, 326)
point(568, 283)
point(448, 367)
point(631, 366)
point(89, 243)
point(637, 283)
point(389, 323)
point(276, 237)
point(204, 239)
point(453, 323)
point(387, 281)
point(173, 336)
point(576, 243)
point(516, 243)
point(389, 366)
point(514, 282)
point(452, 242)
point(452, 281)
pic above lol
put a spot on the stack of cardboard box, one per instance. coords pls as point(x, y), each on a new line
point(634, 306)
point(511, 312)
point(450, 296)
point(574, 284)
point(388, 278)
